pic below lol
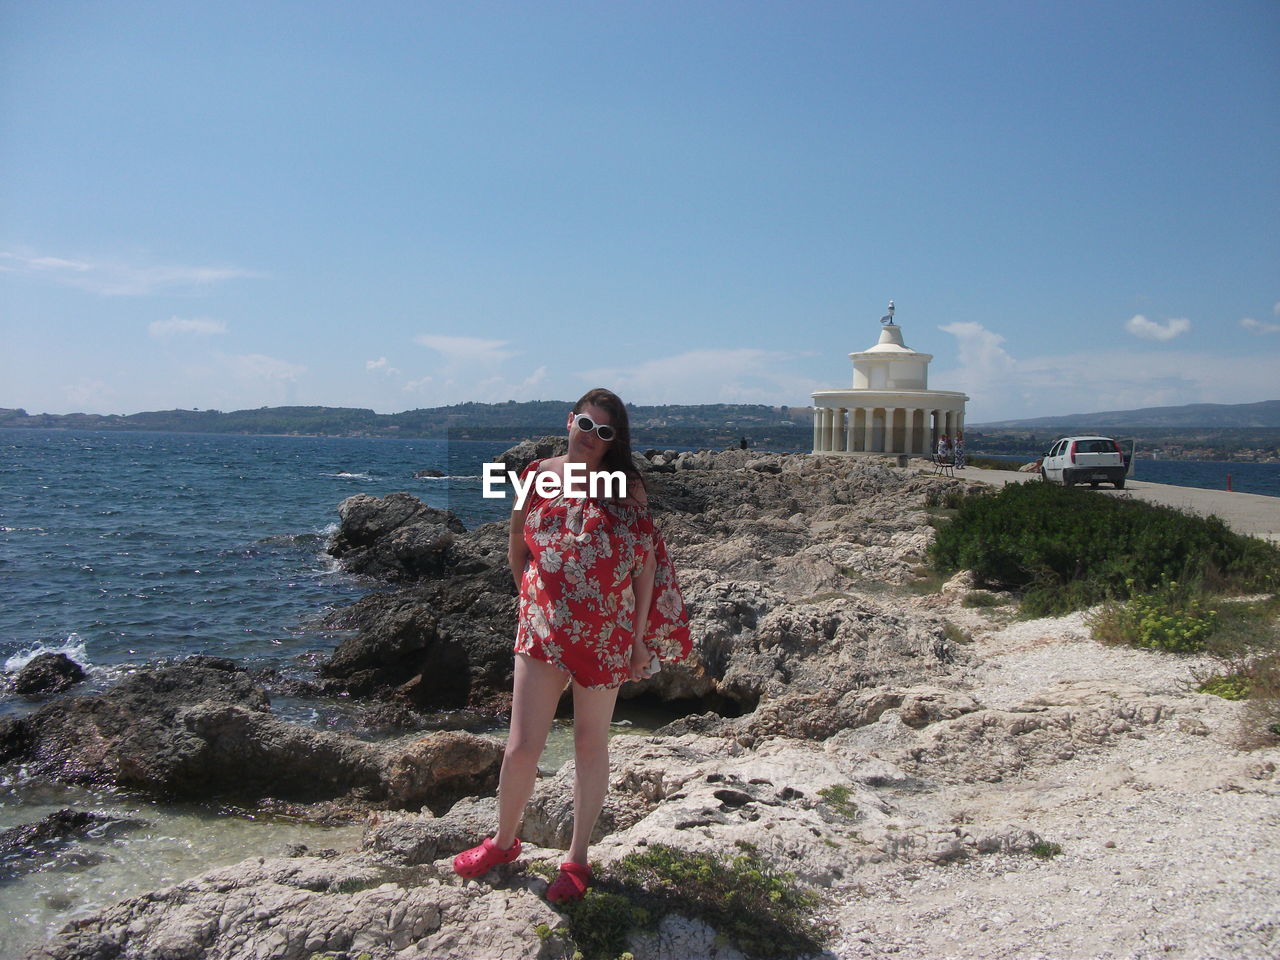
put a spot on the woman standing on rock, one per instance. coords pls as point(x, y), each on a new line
point(599, 605)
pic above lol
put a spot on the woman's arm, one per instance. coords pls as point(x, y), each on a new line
point(642, 585)
point(517, 549)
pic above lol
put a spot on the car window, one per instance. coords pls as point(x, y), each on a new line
point(1095, 446)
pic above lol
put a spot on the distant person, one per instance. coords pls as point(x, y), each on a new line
point(742, 444)
point(959, 451)
point(599, 605)
point(944, 447)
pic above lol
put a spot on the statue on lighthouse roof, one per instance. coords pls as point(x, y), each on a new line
point(888, 317)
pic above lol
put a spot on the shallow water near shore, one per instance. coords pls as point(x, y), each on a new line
point(148, 845)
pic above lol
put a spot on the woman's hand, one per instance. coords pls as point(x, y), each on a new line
point(640, 657)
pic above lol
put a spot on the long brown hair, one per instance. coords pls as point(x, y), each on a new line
point(618, 454)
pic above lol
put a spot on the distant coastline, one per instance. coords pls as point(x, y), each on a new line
point(713, 426)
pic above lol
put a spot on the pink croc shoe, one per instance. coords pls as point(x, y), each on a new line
point(571, 884)
point(478, 861)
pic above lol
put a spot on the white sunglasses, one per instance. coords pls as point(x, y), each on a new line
point(586, 425)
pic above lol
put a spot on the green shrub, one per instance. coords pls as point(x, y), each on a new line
point(1227, 687)
point(1068, 548)
point(1170, 619)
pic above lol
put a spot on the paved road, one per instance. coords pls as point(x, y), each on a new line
point(1249, 513)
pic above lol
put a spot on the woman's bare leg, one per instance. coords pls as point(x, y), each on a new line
point(535, 694)
point(592, 712)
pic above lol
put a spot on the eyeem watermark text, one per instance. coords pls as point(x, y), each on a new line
point(576, 483)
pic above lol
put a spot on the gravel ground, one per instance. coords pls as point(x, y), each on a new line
point(1170, 834)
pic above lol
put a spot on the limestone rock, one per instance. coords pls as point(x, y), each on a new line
point(47, 673)
point(295, 908)
point(925, 705)
point(396, 537)
point(192, 730)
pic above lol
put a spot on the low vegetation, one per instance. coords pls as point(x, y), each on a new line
point(763, 912)
point(1171, 618)
point(1046, 850)
point(1161, 579)
point(1065, 549)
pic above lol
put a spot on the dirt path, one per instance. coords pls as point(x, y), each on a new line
point(1170, 833)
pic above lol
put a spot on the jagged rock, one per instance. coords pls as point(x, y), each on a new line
point(192, 730)
point(422, 838)
point(765, 559)
point(428, 472)
point(47, 673)
point(395, 537)
point(44, 844)
point(926, 705)
point(440, 645)
point(296, 908)
point(527, 451)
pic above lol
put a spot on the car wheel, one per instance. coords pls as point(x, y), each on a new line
point(1044, 476)
point(1068, 481)
point(1120, 484)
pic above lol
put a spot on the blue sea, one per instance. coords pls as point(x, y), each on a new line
point(126, 549)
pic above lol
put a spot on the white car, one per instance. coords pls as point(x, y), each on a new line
point(1090, 460)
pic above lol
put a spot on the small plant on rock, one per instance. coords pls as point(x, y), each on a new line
point(1170, 619)
point(762, 911)
point(1045, 850)
point(840, 799)
point(1233, 687)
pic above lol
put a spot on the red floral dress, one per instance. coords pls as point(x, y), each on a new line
point(577, 605)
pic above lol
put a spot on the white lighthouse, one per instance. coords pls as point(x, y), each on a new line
point(889, 410)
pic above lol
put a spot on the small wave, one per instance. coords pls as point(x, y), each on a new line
point(454, 476)
point(348, 476)
point(73, 647)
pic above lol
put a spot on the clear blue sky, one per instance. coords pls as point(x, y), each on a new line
point(1075, 205)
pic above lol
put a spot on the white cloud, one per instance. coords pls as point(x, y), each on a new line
point(980, 350)
point(90, 395)
point(467, 349)
point(198, 326)
point(1140, 326)
point(1002, 386)
point(1259, 326)
point(111, 279)
point(728, 375)
point(382, 366)
point(257, 367)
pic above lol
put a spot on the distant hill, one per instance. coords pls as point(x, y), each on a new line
point(1194, 416)
point(707, 425)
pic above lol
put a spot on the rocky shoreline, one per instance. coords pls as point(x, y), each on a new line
point(905, 755)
